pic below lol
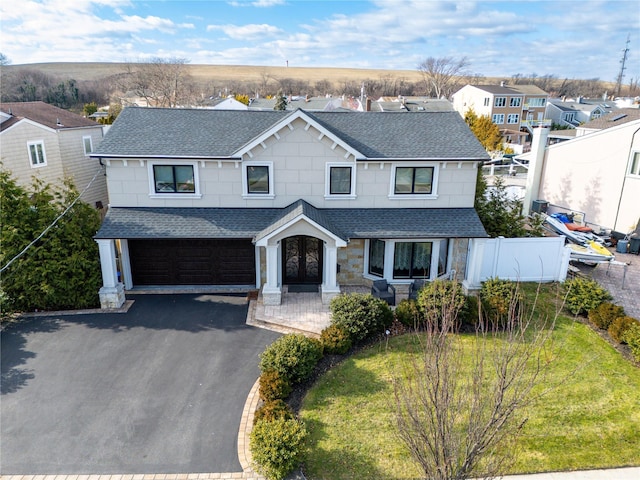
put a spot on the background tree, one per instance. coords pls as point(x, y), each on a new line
point(499, 213)
point(442, 75)
point(162, 82)
point(89, 109)
point(62, 269)
point(460, 401)
point(4, 60)
point(281, 101)
point(487, 132)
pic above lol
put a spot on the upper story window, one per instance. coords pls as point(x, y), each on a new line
point(537, 102)
point(87, 145)
point(257, 181)
point(513, 118)
point(37, 156)
point(500, 102)
point(340, 180)
point(569, 117)
point(515, 102)
point(634, 167)
point(487, 101)
point(174, 179)
point(498, 118)
point(413, 180)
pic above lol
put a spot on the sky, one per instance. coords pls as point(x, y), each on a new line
point(567, 38)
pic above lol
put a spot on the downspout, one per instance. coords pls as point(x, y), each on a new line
point(624, 179)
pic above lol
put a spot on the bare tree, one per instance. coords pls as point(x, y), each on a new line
point(441, 75)
point(162, 82)
point(460, 404)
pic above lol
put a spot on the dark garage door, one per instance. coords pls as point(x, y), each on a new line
point(192, 262)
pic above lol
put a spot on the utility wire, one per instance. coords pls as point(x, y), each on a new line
point(44, 232)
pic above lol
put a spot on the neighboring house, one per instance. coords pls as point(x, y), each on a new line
point(514, 108)
point(597, 174)
point(618, 117)
point(573, 114)
point(266, 199)
point(228, 103)
point(46, 142)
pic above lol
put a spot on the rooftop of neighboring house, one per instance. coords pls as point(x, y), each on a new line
point(42, 113)
point(223, 133)
point(582, 104)
point(505, 89)
point(618, 117)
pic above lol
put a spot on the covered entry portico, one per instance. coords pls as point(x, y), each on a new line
point(301, 248)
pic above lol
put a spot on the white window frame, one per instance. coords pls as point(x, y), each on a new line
point(152, 180)
point(389, 252)
point(634, 164)
point(513, 116)
point(500, 102)
point(515, 101)
point(40, 162)
point(496, 116)
point(414, 196)
point(537, 102)
point(327, 184)
point(487, 101)
point(245, 184)
point(84, 145)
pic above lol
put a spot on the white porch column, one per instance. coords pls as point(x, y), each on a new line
point(271, 292)
point(125, 264)
point(330, 286)
point(112, 292)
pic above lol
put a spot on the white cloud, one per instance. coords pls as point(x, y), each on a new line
point(246, 32)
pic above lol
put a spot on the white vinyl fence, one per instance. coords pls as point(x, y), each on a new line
point(544, 259)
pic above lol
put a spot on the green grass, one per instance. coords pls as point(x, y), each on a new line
point(590, 419)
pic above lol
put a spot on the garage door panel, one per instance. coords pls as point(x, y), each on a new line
point(192, 262)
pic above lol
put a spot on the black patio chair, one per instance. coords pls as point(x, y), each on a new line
point(414, 288)
point(382, 290)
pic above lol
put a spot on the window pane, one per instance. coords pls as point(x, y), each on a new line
point(40, 153)
point(404, 179)
point(376, 257)
point(258, 179)
point(184, 179)
point(635, 164)
point(340, 180)
point(421, 266)
point(423, 180)
point(402, 260)
point(163, 176)
point(442, 257)
point(34, 154)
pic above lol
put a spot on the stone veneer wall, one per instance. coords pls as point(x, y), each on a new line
point(351, 261)
point(459, 257)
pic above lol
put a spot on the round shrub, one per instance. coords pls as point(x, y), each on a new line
point(500, 297)
point(408, 313)
point(360, 314)
point(273, 386)
point(583, 295)
point(604, 314)
point(293, 356)
point(273, 410)
point(278, 446)
point(619, 326)
point(632, 338)
point(335, 340)
point(441, 297)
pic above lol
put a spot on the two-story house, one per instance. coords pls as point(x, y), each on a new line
point(46, 142)
point(267, 199)
point(514, 108)
point(572, 114)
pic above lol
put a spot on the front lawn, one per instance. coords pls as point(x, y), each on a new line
point(591, 420)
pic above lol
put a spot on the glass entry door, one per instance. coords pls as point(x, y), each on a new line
point(302, 260)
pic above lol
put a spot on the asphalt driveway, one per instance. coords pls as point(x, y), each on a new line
point(159, 389)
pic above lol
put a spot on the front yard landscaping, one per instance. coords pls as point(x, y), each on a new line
point(589, 419)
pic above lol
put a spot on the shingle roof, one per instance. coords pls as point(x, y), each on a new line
point(159, 222)
point(512, 89)
point(618, 117)
point(153, 132)
point(47, 115)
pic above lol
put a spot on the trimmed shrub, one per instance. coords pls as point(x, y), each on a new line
point(293, 356)
point(278, 446)
point(604, 314)
point(408, 313)
point(273, 410)
point(583, 295)
point(360, 314)
point(438, 296)
point(469, 314)
point(335, 340)
point(619, 326)
point(273, 386)
point(499, 297)
point(632, 338)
